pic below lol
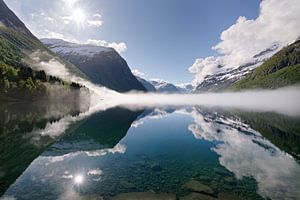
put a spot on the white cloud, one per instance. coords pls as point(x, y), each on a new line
point(119, 47)
point(277, 23)
point(97, 15)
point(205, 66)
point(96, 23)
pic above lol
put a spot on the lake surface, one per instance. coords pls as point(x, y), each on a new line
point(65, 152)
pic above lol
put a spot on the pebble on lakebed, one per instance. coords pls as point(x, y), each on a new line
point(145, 196)
point(196, 186)
point(197, 196)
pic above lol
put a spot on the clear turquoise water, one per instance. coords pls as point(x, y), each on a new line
point(159, 150)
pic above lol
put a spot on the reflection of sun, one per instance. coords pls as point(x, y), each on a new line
point(78, 16)
point(78, 179)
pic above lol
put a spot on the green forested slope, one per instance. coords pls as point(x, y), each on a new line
point(19, 80)
point(282, 69)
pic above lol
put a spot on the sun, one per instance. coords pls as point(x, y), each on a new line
point(78, 16)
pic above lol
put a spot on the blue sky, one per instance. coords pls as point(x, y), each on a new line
point(163, 37)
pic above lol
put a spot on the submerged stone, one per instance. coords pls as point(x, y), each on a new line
point(127, 185)
point(196, 186)
point(156, 167)
point(145, 196)
point(198, 196)
point(225, 196)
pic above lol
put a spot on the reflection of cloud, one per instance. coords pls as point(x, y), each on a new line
point(70, 193)
point(94, 172)
point(7, 198)
point(70, 176)
point(119, 148)
point(137, 123)
point(277, 173)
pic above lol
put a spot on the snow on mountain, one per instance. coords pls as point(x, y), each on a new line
point(227, 77)
point(67, 48)
point(102, 65)
point(164, 87)
point(185, 87)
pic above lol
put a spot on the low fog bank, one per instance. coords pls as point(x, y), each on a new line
point(284, 100)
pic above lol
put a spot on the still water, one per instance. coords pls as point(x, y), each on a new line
point(56, 152)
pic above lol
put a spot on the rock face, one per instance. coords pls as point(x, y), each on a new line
point(102, 65)
point(144, 196)
point(146, 84)
point(196, 186)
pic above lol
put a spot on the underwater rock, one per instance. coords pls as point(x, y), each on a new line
point(156, 167)
point(145, 196)
point(197, 196)
point(196, 186)
point(225, 196)
point(221, 172)
point(127, 185)
point(92, 197)
point(204, 178)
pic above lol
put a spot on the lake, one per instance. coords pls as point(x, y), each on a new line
point(165, 152)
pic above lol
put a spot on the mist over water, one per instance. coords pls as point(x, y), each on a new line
point(284, 100)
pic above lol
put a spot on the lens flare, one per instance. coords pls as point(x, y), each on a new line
point(78, 16)
point(78, 179)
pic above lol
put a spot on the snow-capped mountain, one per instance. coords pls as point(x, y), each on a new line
point(185, 88)
point(162, 86)
point(103, 65)
point(66, 48)
point(225, 79)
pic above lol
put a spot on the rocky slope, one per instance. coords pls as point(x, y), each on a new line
point(102, 65)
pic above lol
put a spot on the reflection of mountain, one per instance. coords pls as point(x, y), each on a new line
point(101, 130)
point(21, 138)
point(283, 131)
point(246, 153)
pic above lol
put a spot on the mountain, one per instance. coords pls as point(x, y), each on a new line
point(185, 88)
point(24, 63)
point(10, 20)
point(102, 65)
point(161, 86)
point(223, 80)
point(282, 69)
point(146, 84)
point(228, 77)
